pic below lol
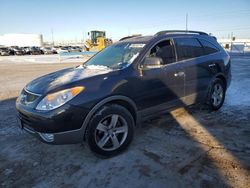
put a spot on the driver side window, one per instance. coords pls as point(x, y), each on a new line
point(165, 51)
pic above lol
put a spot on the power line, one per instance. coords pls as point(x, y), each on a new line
point(224, 13)
point(198, 17)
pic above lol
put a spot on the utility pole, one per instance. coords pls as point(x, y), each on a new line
point(186, 22)
point(52, 36)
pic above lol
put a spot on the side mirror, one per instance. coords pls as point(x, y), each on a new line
point(88, 33)
point(152, 62)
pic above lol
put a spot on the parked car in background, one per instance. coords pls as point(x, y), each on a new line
point(56, 47)
point(29, 51)
point(15, 50)
point(4, 51)
point(75, 49)
point(32, 50)
point(26, 50)
point(35, 50)
point(132, 80)
point(62, 49)
point(48, 50)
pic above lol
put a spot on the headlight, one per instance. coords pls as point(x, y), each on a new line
point(59, 98)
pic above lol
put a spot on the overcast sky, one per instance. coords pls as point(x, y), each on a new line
point(72, 19)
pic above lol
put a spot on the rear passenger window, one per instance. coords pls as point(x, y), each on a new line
point(188, 48)
point(209, 48)
point(164, 50)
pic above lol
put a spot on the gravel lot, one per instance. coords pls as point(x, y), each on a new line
point(186, 148)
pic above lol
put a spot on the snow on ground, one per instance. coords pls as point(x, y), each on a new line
point(56, 58)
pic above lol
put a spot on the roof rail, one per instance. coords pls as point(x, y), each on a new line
point(180, 31)
point(128, 37)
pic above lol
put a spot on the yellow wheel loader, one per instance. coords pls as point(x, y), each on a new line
point(97, 41)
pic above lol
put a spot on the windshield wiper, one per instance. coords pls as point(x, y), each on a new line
point(123, 64)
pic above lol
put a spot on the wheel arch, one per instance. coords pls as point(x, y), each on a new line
point(222, 78)
point(124, 101)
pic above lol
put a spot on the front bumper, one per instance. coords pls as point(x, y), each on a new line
point(67, 137)
point(59, 126)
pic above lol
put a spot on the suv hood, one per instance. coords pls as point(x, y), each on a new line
point(53, 80)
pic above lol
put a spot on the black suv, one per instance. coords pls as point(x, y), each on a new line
point(104, 99)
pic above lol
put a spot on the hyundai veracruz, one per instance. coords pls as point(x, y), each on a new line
point(103, 100)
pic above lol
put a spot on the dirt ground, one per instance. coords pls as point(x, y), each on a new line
point(185, 148)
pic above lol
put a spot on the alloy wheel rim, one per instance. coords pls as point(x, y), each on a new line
point(217, 95)
point(111, 132)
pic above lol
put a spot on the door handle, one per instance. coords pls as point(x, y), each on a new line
point(179, 74)
point(212, 65)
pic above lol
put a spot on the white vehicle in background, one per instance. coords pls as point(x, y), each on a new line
point(48, 50)
point(75, 49)
point(17, 50)
point(64, 49)
point(4, 51)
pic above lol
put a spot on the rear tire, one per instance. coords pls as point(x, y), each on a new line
point(216, 94)
point(110, 130)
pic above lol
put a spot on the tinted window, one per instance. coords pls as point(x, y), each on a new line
point(164, 50)
point(209, 48)
point(188, 48)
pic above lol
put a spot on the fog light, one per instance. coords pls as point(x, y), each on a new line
point(47, 137)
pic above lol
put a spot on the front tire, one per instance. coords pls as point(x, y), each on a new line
point(216, 94)
point(110, 130)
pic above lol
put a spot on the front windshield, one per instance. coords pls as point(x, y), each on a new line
point(117, 56)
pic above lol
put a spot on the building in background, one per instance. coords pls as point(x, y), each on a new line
point(21, 40)
point(235, 45)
